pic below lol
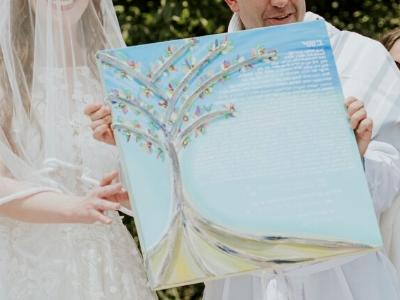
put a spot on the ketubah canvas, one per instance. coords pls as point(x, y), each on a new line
point(237, 153)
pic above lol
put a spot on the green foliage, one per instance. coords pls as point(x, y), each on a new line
point(159, 20)
point(368, 17)
point(145, 21)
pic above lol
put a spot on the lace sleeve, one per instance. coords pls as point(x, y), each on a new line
point(11, 189)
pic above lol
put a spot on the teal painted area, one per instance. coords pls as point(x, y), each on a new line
point(252, 173)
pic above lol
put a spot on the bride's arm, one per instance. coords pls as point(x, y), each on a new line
point(40, 206)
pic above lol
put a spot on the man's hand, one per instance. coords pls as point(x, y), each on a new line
point(360, 123)
point(100, 115)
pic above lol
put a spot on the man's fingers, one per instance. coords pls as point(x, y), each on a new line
point(354, 107)
point(101, 131)
point(91, 108)
point(104, 134)
point(365, 127)
point(349, 101)
point(98, 216)
point(109, 178)
point(101, 113)
point(104, 121)
point(357, 117)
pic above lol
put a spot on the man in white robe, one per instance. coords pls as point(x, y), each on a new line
point(367, 73)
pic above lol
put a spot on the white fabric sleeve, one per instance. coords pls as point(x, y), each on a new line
point(382, 169)
point(26, 193)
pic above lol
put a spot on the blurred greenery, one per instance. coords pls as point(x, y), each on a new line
point(145, 21)
point(148, 21)
point(368, 17)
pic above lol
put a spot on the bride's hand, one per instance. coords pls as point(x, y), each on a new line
point(119, 197)
point(100, 115)
point(91, 208)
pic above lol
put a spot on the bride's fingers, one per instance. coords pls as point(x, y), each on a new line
point(109, 190)
point(104, 205)
point(98, 216)
point(109, 178)
point(121, 197)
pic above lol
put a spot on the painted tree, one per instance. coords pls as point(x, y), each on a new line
point(170, 116)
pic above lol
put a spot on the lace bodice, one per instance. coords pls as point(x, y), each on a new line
point(69, 151)
point(85, 262)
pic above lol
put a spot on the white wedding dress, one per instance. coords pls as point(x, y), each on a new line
point(71, 262)
point(47, 77)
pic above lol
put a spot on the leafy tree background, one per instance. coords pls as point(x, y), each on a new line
point(145, 21)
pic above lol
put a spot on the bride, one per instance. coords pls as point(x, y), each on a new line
point(50, 166)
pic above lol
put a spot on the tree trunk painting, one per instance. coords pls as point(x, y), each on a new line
point(167, 131)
